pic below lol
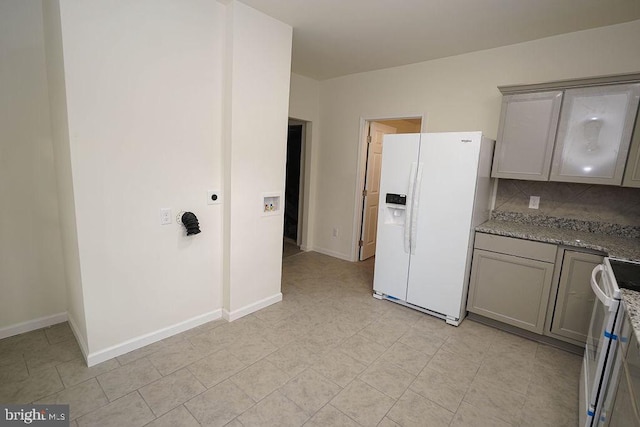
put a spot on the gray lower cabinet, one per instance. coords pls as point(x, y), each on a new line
point(538, 287)
point(571, 313)
point(511, 287)
point(622, 398)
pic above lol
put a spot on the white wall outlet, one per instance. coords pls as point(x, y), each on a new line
point(165, 216)
point(214, 197)
point(534, 202)
point(335, 232)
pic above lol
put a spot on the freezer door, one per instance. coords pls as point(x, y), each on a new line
point(399, 159)
point(443, 207)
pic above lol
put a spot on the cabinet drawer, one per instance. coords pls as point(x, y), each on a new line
point(518, 247)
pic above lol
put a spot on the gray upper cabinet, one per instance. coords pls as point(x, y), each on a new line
point(594, 133)
point(526, 135)
point(632, 171)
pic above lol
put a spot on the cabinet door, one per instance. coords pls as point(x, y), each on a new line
point(632, 366)
point(625, 407)
point(526, 134)
point(574, 303)
point(632, 171)
point(510, 289)
point(594, 134)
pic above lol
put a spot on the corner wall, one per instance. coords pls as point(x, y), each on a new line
point(32, 276)
point(258, 50)
point(144, 104)
point(455, 94)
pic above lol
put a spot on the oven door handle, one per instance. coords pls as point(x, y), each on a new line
point(596, 289)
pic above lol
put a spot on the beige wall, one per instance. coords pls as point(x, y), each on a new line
point(259, 59)
point(32, 284)
point(454, 94)
point(143, 97)
point(64, 174)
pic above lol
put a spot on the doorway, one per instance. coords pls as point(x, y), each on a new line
point(293, 188)
point(374, 132)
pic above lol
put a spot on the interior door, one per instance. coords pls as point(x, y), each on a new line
point(372, 188)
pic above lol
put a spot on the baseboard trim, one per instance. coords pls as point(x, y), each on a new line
point(143, 340)
point(84, 348)
point(32, 325)
point(251, 308)
point(332, 253)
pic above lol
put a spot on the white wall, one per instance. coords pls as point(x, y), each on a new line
point(257, 93)
point(64, 175)
point(144, 90)
point(455, 94)
point(304, 104)
point(32, 282)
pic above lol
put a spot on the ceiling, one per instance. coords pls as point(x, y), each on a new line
point(332, 38)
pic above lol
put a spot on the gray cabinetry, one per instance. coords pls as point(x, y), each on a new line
point(632, 171)
point(571, 313)
point(622, 398)
point(526, 135)
point(570, 131)
point(594, 133)
point(511, 280)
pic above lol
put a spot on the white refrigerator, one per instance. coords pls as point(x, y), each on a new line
point(435, 188)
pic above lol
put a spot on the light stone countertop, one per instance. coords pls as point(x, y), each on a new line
point(631, 301)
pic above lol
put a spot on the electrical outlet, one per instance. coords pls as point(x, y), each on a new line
point(165, 216)
point(534, 202)
point(335, 232)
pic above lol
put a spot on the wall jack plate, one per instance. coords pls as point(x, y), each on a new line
point(214, 197)
point(165, 216)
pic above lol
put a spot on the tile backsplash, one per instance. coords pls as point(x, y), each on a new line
point(605, 203)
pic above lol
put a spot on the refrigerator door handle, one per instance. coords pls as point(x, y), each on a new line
point(407, 221)
point(415, 203)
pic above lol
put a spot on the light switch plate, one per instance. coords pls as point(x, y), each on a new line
point(534, 202)
point(214, 197)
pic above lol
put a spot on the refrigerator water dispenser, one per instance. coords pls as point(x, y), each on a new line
point(396, 210)
point(395, 215)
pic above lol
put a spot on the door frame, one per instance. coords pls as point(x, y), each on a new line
point(361, 168)
point(303, 195)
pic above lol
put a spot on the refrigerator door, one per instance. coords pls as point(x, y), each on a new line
point(444, 209)
point(399, 165)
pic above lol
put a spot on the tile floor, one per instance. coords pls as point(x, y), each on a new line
point(328, 355)
point(289, 248)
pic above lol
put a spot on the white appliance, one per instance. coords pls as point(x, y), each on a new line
point(435, 188)
point(602, 362)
